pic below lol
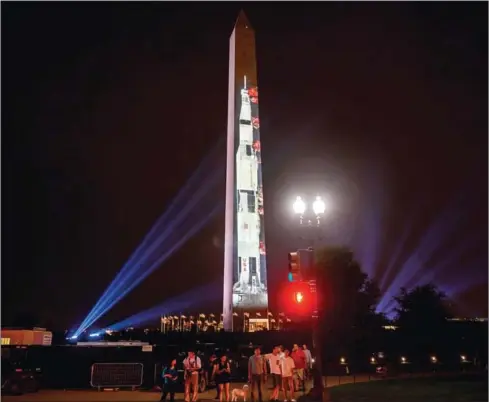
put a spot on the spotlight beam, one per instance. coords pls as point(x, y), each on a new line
point(206, 293)
point(444, 225)
point(189, 187)
point(129, 282)
point(148, 271)
point(131, 267)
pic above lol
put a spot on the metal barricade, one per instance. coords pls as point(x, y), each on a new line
point(116, 375)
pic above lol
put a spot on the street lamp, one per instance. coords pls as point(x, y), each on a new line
point(299, 206)
point(318, 206)
point(318, 209)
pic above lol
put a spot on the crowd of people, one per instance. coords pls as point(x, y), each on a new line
point(287, 369)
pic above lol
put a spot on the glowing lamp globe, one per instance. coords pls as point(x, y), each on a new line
point(299, 206)
point(319, 206)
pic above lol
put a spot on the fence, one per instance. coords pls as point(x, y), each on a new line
point(116, 375)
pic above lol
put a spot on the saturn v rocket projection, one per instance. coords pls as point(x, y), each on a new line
point(245, 271)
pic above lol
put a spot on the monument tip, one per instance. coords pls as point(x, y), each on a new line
point(243, 21)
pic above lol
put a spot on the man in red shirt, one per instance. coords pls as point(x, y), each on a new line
point(299, 358)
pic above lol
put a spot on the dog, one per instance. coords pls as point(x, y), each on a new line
point(239, 393)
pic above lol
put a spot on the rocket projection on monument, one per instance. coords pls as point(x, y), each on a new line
point(245, 270)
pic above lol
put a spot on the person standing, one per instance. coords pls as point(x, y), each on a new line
point(287, 367)
point(170, 377)
point(257, 374)
point(300, 364)
point(210, 374)
point(308, 355)
point(192, 366)
point(222, 372)
point(275, 371)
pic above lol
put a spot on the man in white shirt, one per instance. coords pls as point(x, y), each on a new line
point(287, 366)
point(275, 371)
point(192, 366)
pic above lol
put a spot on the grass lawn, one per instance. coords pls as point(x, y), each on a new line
point(456, 389)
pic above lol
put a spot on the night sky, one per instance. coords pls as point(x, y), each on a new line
point(107, 109)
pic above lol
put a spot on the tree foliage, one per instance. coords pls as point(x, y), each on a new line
point(422, 306)
point(422, 314)
point(348, 297)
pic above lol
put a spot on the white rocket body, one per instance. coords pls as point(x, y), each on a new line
point(248, 218)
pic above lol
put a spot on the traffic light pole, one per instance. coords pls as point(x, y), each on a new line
point(319, 390)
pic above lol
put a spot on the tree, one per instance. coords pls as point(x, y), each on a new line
point(422, 306)
point(348, 297)
point(422, 314)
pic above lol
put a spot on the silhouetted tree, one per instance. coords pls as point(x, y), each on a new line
point(348, 297)
point(422, 306)
point(422, 316)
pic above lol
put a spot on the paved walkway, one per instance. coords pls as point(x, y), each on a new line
point(135, 396)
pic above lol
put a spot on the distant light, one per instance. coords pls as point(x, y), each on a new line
point(463, 358)
point(73, 337)
point(434, 359)
point(372, 360)
point(299, 206)
point(290, 277)
point(403, 359)
point(313, 360)
point(94, 335)
point(342, 360)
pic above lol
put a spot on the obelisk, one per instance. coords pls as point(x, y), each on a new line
point(245, 271)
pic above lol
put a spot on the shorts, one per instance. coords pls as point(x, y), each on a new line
point(277, 380)
point(300, 374)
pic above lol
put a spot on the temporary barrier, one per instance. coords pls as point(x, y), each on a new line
point(116, 375)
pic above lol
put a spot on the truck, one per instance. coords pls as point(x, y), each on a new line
point(26, 337)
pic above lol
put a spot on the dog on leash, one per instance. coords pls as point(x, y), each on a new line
point(237, 393)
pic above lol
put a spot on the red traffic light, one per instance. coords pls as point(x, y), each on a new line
point(296, 299)
point(299, 297)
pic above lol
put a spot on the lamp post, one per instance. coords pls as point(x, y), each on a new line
point(311, 222)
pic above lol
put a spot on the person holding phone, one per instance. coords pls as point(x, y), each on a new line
point(222, 372)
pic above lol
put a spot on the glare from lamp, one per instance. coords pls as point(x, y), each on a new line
point(299, 206)
point(318, 206)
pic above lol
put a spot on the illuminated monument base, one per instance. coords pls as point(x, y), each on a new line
point(245, 271)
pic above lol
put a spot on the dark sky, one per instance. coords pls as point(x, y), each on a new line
point(108, 108)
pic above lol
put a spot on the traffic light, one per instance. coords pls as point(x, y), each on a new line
point(296, 299)
point(294, 267)
point(299, 297)
point(301, 264)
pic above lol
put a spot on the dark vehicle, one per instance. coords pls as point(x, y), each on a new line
point(240, 361)
point(17, 380)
